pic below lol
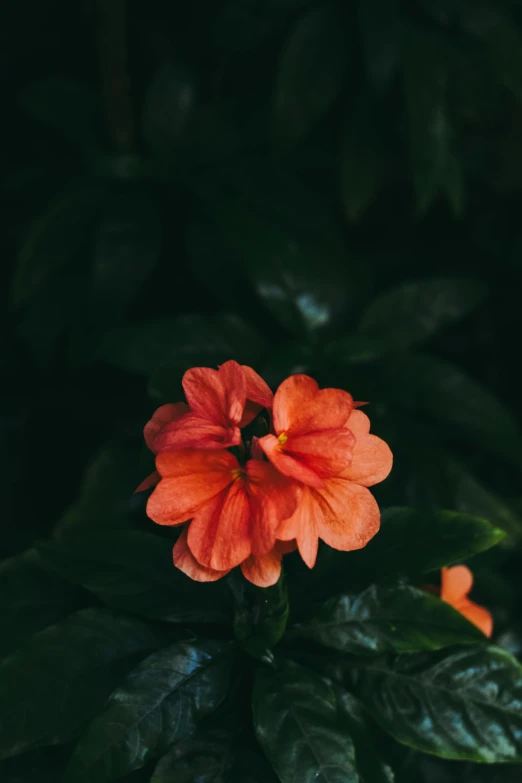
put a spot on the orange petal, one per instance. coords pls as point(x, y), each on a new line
point(347, 515)
point(162, 416)
point(455, 584)
point(273, 498)
point(477, 615)
point(262, 570)
point(217, 395)
point(186, 562)
point(372, 458)
point(257, 389)
point(301, 407)
point(288, 464)
point(149, 482)
point(219, 534)
point(192, 431)
point(189, 480)
point(301, 527)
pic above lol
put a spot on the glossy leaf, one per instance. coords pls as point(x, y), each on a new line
point(63, 675)
point(158, 704)
point(413, 312)
point(382, 620)
point(30, 599)
point(299, 727)
point(133, 571)
point(311, 73)
point(458, 704)
point(370, 766)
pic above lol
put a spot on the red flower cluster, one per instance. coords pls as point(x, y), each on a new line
point(306, 480)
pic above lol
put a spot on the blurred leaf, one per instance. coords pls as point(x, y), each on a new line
point(502, 44)
point(286, 359)
point(311, 73)
point(426, 76)
point(69, 107)
point(169, 104)
point(382, 620)
point(55, 239)
point(30, 599)
point(133, 571)
point(172, 345)
point(454, 185)
point(242, 25)
point(381, 28)
point(412, 312)
point(158, 704)
point(359, 163)
point(356, 349)
point(62, 676)
point(370, 767)
point(458, 704)
point(299, 727)
point(261, 615)
point(443, 390)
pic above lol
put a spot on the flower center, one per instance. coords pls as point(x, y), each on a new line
point(237, 473)
point(282, 439)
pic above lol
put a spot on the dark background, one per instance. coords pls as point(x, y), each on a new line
point(303, 186)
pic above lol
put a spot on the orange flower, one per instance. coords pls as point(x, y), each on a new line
point(456, 584)
point(220, 403)
point(235, 511)
point(335, 504)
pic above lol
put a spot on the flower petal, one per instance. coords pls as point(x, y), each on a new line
point(148, 482)
point(477, 615)
point(186, 562)
point(219, 534)
point(372, 458)
point(288, 464)
point(301, 527)
point(262, 570)
point(301, 407)
point(456, 583)
point(217, 395)
point(189, 480)
point(164, 415)
point(192, 431)
point(347, 515)
point(273, 498)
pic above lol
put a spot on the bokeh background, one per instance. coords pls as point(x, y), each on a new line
point(332, 188)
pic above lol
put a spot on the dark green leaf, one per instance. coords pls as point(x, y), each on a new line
point(426, 77)
point(356, 349)
point(359, 163)
point(311, 73)
point(169, 104)
point(418, 541)
point(300, 728)
point(381, 29)
point(71, 108)
point(133, 571)
point(458, 704)
point(261, 615)
point(412, 312)
point(30, 599)
point(502, 43)
point(382, 619)
point(159, 703)
point(370, 767)
point(62, 676)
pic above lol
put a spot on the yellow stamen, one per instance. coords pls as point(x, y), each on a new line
point(282, 439)
point(237, 473)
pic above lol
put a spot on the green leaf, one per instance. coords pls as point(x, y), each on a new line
point(159, 703)
point(459, 704)
point(356, 349)
point(63, 675)
point(413, 541)
point(55, 239)
point(381, 28)
point(69, 107)
point(382, 620)
point(502, 44)
point(300, 728)
point(412, 312)
point(30, 599)
point(444, 391)
point(311, 73)
point(370, 767)
point(133, 571)
point(359, 163)
point(426, 78)
point(169, 104)
point(261, 615)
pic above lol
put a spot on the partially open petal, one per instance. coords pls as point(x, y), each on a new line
point(164, 415)
point(219, 534)
point(192, 431)
point(372, 458)
point(301, 527)
point(300, 406)
point(288, 464)
point(273, 498)
point(217, 395)
point(456, 582)
point(477, 615)
point(186, 562)
point(189, 480)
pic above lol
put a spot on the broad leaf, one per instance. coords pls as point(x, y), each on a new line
point(30, 599)
point(370, 767)
point(412, 312)
point(382, 619)
point(300, 728)
point(159, 703)
point(311, 73)
point(458, 704)
point(63, 675)
point(133, 571)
